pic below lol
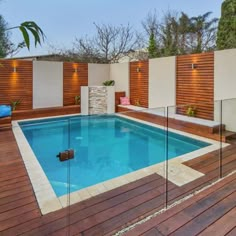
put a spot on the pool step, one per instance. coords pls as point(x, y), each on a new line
point(216, 128)
point(229, 135)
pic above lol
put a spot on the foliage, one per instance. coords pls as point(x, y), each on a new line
point(30, 27)
point(203, 32)
point(6, 46)
point(109, 83)
point(77, 99)
point(151, 24)
point(27, 28)
point(152, 49)
point(184, 31)
point(169, 35)
point(137, 103)
point(4, 38)
point(191, 111)
point(109, 44)
point(226, 35)
point(175, 34)
point(180, 34)
point(14, 104)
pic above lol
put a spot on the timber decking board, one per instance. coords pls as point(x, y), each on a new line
point(175, 218)
point(100, 215)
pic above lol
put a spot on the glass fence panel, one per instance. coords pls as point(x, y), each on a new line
point(40, 141)
point(153, 155)
point(192, 149)
point(228, 161)
point(117, 168)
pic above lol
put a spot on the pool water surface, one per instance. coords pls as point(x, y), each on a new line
point(105, 147)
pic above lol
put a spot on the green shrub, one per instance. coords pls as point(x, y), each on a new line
point(226, 35)
point(109, 83)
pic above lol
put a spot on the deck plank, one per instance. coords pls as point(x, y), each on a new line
point(222, 226)
point(172, 213)
point(232, 232)
point(193, 217)
point(199, 223)
point(152, 232)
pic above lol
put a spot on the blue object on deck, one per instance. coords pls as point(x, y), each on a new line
point(5, 110)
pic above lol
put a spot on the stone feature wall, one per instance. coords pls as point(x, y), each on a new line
point(97, 100)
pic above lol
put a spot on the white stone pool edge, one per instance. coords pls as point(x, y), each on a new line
point(47, 200)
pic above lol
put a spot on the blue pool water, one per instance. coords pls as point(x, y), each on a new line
point(105, 147)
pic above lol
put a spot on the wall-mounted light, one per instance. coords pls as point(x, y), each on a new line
point(138, 69)
point(193, 66)
point(14, 69)
point(76, 70)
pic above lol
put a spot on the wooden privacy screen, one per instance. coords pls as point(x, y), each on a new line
point(195, 86)
point(16, 83)
point(74, 76)
point(139, 83)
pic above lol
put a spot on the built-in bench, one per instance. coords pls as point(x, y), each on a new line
point(122, 108)
point(5, 122)
point(45, 112)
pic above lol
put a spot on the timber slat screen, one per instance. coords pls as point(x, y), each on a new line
point(16, 83)
point(139, 83)
point(74, 76)
point(196, 86)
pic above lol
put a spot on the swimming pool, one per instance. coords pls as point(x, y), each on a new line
point(105, 147)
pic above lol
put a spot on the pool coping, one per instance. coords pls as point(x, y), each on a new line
point(178, 173)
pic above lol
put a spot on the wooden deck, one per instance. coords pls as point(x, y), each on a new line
point(109, 212)
point(211, 212)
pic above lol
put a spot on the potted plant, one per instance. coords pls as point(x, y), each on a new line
point(14, 104)
point(77, 99)
point(137, 103)
point(191, 111)
point(109, 83)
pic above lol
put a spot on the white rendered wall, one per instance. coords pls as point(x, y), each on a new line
point(110, 99)
point(120, 73)
point(225, 74)
point(225, 87)
point(47, 84)
point(162, 82)
point(98, 73)
point(84, 107)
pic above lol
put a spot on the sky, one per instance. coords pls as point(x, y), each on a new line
point(65, 20)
